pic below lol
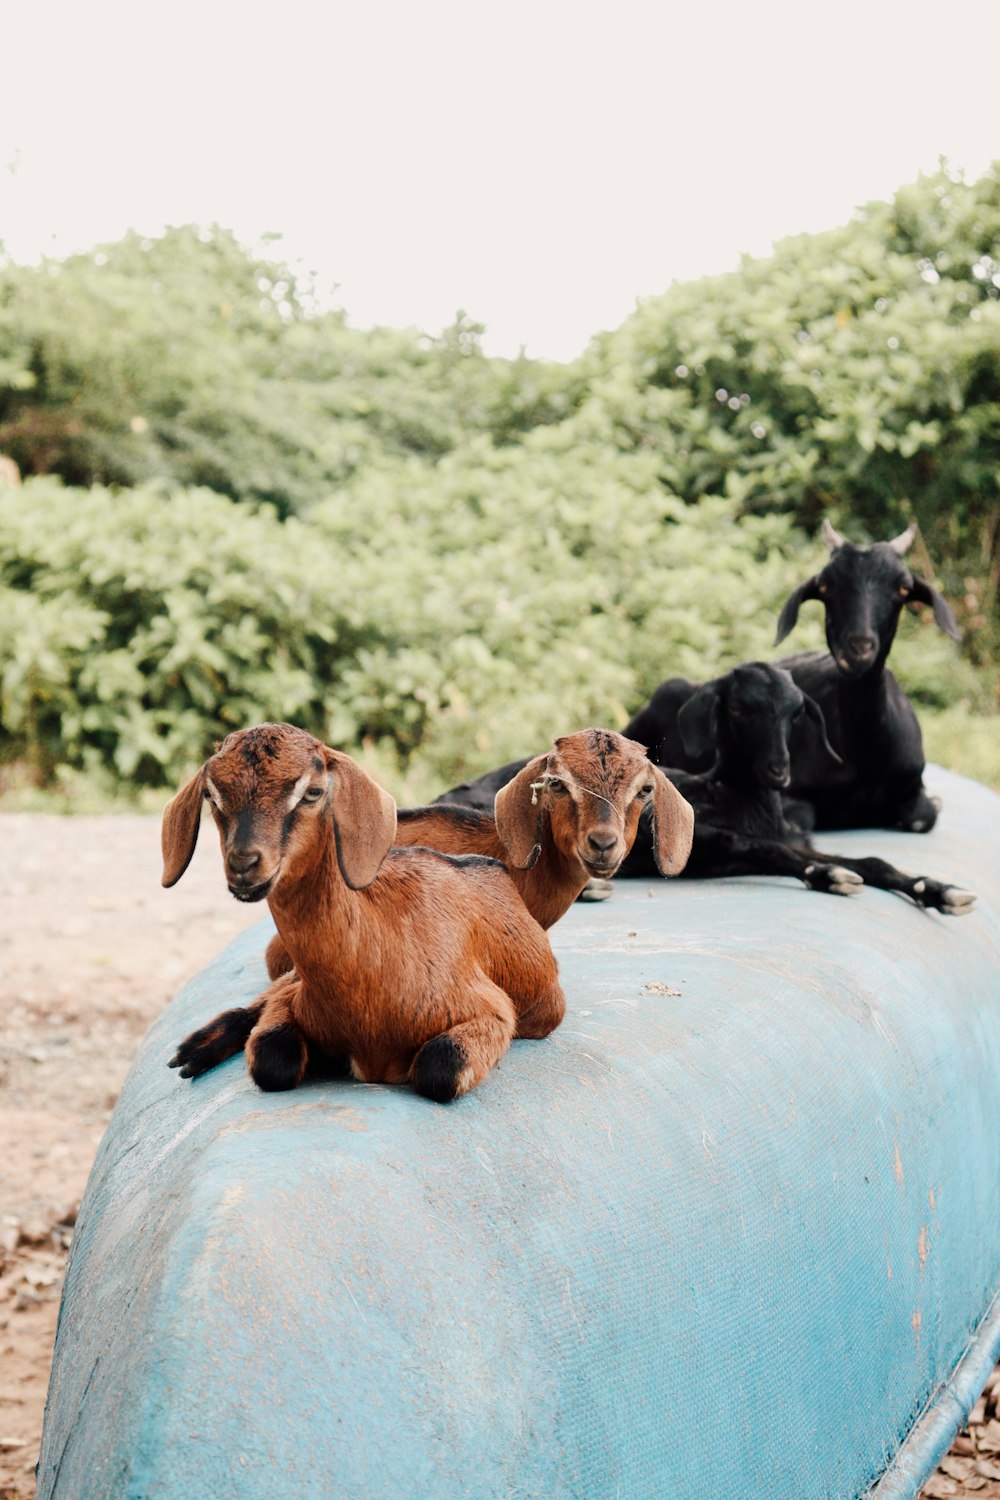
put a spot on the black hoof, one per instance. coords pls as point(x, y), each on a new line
point(437, 1069)
point(279, 1059)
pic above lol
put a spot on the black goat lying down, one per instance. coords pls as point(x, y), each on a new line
point(870, 720)
point(745, 722)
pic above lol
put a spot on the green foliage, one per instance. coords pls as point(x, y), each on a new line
point(439, 560)
point(188, 359)
point(854, 373)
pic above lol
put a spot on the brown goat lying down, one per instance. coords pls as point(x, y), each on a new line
point(568, 816)
point(413, 965)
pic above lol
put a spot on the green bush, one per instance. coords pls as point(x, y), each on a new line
point(439, 560)
point(440, 622)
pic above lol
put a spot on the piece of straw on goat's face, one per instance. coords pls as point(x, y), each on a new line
point(595, 792)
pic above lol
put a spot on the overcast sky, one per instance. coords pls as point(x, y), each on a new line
point(540, 165)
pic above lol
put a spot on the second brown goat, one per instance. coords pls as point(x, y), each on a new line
point(568, 816)
point(415, 966)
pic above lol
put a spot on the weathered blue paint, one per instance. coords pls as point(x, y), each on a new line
point(730, 1242)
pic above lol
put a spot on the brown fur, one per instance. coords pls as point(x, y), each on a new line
point(393, 948)
point(553, 841)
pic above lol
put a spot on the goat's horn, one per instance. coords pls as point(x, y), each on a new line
point(901, 543)
point(831, 538)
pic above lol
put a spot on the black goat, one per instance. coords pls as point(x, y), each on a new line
point(869, 718)
point(744, 722)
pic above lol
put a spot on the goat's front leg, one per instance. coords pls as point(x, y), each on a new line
point(212, 1044)
point(276, 1050)
point(455, 1061)
point(717, 853)
point(950, 900)
point(277, 958)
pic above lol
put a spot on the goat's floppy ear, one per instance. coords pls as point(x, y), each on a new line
point(179, 831)
point(364, 821)
point(673, 825)
point(519, 820)
point(923, 593)
point(697, 720)
point(790, 610)
point(815, 715)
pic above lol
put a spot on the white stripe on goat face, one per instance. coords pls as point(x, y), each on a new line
point(213, 792)
point(298, 790)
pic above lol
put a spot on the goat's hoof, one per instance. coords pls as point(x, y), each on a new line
point(438, 1069)
point(958, 903)
point(834, 880)
point(949, 900)
point(278, 1059)
point(596, 889)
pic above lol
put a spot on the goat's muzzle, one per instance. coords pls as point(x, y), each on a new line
point(244, 890)
point(243, 874)
point(856, 655)
point(602, 853)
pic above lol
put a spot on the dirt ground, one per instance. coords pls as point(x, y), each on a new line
point(93, 948)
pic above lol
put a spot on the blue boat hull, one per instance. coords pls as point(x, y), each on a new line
point(728, 1234)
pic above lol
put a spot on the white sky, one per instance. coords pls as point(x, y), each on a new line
point(540, 165)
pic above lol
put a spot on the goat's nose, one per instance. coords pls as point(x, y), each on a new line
point(603, 840)
point(862, 646)
point(242, 861)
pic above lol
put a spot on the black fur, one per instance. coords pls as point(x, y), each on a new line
point(740, 822)
point(402, 853)
point(278, 1058)
point(869, 719)
point(437, 1068)
point(210, 1045)
point(466, 818)
point(481, 792)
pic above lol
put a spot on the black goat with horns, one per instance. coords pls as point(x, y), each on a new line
point(870, 721)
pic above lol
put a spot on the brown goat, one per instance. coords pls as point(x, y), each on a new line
point(568, 815)
point(411, 964)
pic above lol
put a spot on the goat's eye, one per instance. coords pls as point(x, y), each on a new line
point(903, 590)
point(556, 785)
point(822, 588)
point(647, 790)
point(736, 713)
point(312, 794)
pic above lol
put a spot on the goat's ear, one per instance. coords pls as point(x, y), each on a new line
point(673, 825)
point(364, 821)
point(518, 818)
point(179, 831)
point(923, 593)
point(815, 715)
point(698, 718)
point(790, 610)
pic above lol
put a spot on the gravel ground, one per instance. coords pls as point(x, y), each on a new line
point(93, 949)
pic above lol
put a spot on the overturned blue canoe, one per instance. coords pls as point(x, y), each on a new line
point(731, 1233)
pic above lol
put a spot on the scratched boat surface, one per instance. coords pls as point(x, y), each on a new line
point(733, 1231)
